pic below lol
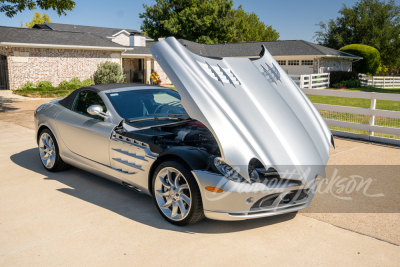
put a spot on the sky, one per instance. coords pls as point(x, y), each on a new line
point(293, 19)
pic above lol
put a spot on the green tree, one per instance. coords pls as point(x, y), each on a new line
point(370, 64)
point(249, 28)
point(37, 19)
point(371, 22)
point(12, 7)
point(204, 21)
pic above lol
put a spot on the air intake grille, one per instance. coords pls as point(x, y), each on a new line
point(271, 73)
point(218, 73)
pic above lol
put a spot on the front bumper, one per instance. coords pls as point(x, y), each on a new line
point(241, 201)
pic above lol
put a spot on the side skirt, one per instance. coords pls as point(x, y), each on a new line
point(101, 170)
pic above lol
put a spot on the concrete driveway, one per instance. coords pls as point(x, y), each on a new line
point(76, 218)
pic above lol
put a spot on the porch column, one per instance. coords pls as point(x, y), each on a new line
point(147, 70)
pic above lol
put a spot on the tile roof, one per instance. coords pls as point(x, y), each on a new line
point(100, 31)
point(50, 37)
point(68, 34)
point(276, 48)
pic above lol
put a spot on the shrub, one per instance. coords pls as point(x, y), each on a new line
point(87, 82)
point(69, 86)
point(348, 84)
point(44, 84)
point(109, 72)
point(339, 76)
point(27, 85)
point(63, 83)
point(75, 81)
point(371, 58)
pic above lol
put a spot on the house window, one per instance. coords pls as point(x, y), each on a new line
point(281, 62)
point(293, 62)
point(307, 62)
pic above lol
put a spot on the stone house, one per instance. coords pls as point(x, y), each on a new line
point(57, 52)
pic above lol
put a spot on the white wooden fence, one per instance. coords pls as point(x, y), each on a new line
point(312, 81)
point(383, 82)
point(372, 112)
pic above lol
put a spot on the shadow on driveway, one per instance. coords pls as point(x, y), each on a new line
point(134, 206)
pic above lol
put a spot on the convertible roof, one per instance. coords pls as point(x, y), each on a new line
point(68, 101)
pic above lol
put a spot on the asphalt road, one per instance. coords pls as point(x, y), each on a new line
point(76, 218)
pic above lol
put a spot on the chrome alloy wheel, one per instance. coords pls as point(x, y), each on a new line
point(173, 194)
point(47, 150)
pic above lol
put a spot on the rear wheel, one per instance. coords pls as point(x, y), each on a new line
point(176, 194)
point(49, 152)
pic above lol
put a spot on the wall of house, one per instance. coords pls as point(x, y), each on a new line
point(55, 65)
point(121, 39)
point(327, 65)
point(300, 68)
point(157, 68)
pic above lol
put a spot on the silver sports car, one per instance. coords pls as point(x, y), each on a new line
point(237, 140)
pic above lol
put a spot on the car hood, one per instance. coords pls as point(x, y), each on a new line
point(252, 107)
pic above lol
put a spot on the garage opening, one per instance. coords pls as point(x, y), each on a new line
point(3, 73)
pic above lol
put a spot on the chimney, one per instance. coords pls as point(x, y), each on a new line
point(137, 39)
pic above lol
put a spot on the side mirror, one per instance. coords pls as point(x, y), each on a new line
point(97, 110)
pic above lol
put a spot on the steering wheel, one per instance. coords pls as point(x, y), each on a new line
point(159, 107)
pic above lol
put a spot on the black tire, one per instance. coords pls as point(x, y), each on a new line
point(196, 212)
point(59, 164)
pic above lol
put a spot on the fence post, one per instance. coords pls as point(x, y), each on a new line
point(372, 117)
point(329, 81)
point(373, 82)
point(301, 81)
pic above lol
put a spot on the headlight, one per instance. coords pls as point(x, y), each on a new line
point(230, 173)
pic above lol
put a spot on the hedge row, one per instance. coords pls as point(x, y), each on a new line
point(74, 83)
point(347, 84)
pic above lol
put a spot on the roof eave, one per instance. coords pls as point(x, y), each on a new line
point(122, 31)
point(343, 57)
point(135, 55)
point(83, 47)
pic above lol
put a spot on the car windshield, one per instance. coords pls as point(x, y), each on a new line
point(149, 106)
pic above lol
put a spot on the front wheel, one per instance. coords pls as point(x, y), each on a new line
point(176, 194)
point(49, 152)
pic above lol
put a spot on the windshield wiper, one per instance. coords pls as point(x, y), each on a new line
point(175, 115)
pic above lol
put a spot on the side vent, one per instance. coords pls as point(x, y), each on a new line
point(271, 73)
point(220, 74)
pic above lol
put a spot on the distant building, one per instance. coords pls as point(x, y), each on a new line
point(56, 52)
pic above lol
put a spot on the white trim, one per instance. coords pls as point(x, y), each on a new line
point(136, 55)
point(341, 57)
point(64, 46)
point(124, 31)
